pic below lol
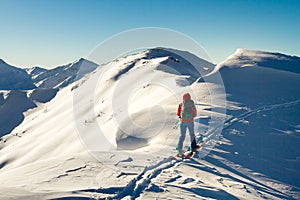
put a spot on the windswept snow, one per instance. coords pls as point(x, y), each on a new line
point(111, 133)
point(254, 58)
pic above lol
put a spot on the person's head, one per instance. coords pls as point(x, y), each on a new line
point(186, 96)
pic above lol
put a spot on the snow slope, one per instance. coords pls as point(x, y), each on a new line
point(264, 127)
point(246, 57)
point(116, 141)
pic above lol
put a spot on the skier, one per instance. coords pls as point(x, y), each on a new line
point(186, 112)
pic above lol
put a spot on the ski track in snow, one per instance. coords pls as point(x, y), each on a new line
point(245, 115)
point(232, 120)
point(137, 185)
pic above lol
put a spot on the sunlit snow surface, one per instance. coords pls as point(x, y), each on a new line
point(54, 153)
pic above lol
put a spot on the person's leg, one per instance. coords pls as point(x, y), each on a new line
point(193, 144)
point(181, 136)
point(192, 136)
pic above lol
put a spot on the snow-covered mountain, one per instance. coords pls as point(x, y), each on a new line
point(61, 76)
point(13, 78)
point(264, 103)
point(246, 58)
point(112, 133)
point(244, 76)
point(23, 89)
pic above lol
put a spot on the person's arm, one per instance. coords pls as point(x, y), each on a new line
point(179, 110)
point(195, 111)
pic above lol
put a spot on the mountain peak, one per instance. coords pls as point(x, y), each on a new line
point(13, 78)
point(257, 58)
point(2, 61)
point(63, 75)
point(80, 60)
point(172, 61)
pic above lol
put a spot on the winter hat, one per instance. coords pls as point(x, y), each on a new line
point(186, 96)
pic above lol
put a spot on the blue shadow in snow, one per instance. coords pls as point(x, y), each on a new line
point(207, 193)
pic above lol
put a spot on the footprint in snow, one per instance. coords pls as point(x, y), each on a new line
point(188, 180)
point(129, 159)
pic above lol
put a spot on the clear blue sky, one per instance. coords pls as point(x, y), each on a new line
point(49, 33)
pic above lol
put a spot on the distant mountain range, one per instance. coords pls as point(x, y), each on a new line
point(13, 78)
point(22, 89)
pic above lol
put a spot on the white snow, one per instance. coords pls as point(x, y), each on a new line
point(39, 84)
point(112, 133)
point(61, 76)
point(254, 58)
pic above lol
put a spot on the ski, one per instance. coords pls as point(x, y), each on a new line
point(190, 154)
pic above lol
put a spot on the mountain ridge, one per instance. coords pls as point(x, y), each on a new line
point(42, 77)
point(14, 78)
point(250, 58)
point(34, 85)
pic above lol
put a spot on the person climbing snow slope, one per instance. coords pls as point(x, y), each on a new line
point(186, 112)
